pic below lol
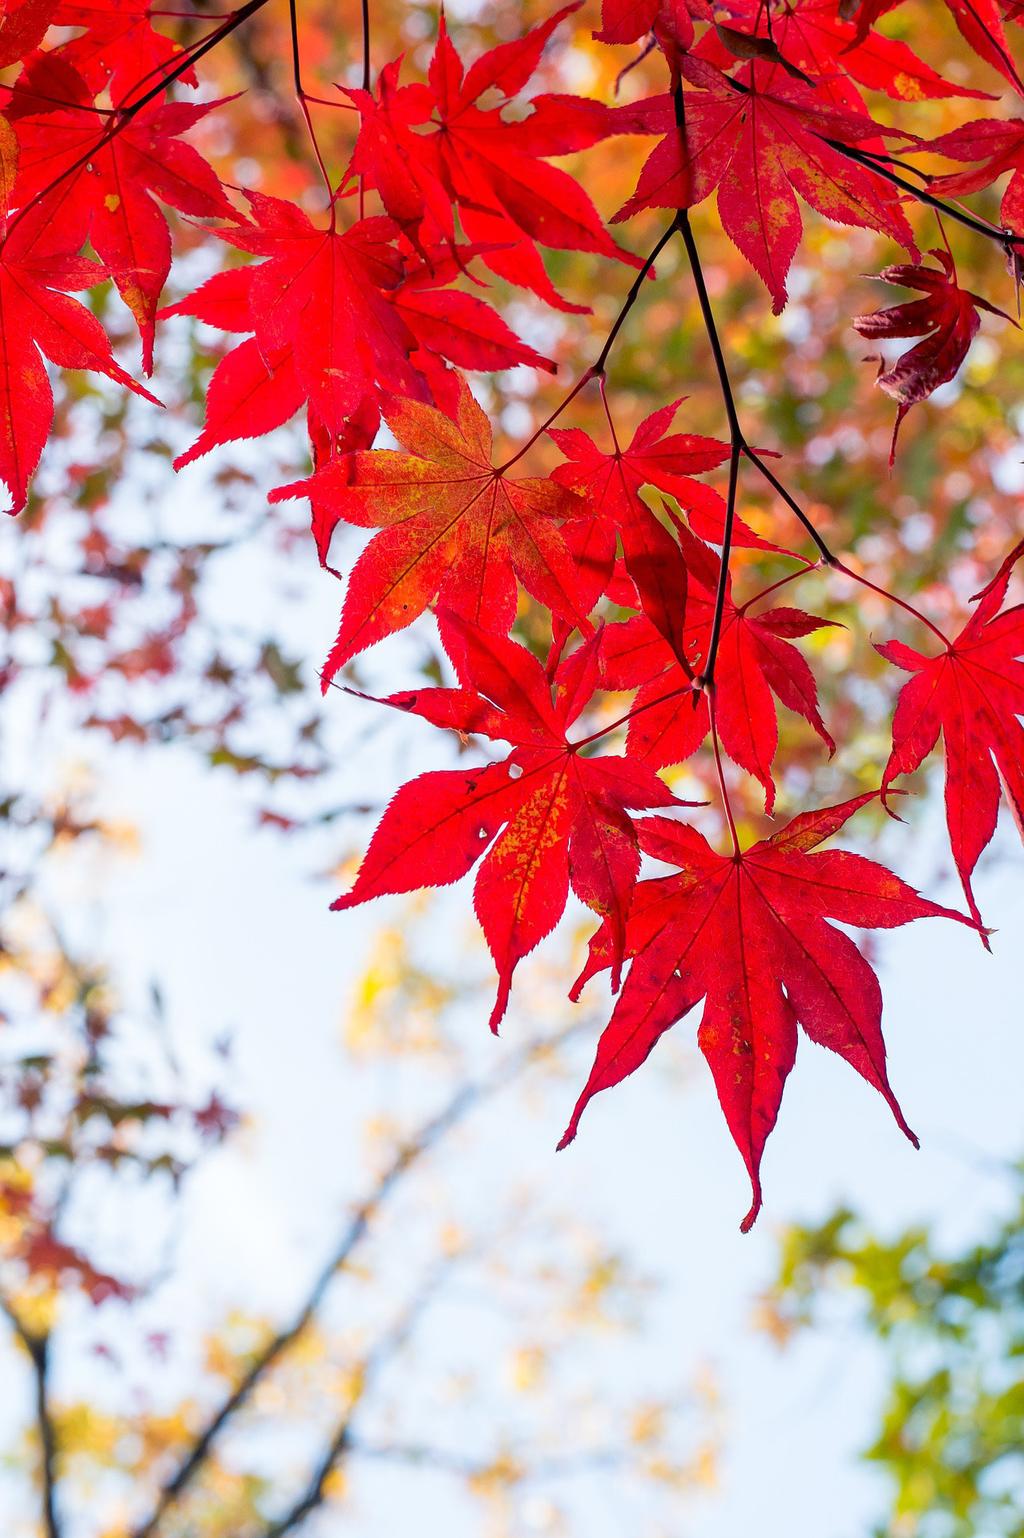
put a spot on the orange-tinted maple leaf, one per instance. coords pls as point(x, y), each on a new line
point(453, 527)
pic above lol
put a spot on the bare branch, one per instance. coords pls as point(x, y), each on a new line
point(380, 1353)
point(408, 1154)
point(37, 1349)
point(529, 1470)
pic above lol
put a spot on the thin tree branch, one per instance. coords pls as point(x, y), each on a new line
point(410, 1153)
point(1004, 238)
point(37, 1349)
point(382, 1351)
point(303, 101)
point(366, 44)
point(736, 433)
point(534, 1470)
point(229, 25)
point(737, 439)
point(706, 679)
point(786, 496)
point(596, 369)
point(901, 603)
point(720, 770)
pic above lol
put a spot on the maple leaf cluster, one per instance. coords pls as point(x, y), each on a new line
point(364, 316)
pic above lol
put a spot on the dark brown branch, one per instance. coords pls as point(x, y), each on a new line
point(596, 369)
point(737, 438)
point(737, 441)
point(706, 679)
point(408, 1154)
point(40, 1354)
point(366, 44)
point(37, 1349)
point(786, 496)
point(736, 435)
point(229, 25)
point(1004, 238)
point(303, 101)
point(533, 1470)
point(340, 1443)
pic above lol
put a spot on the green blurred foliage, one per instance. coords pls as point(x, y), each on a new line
point(950, 1325)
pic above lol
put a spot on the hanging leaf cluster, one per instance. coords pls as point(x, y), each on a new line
point(367, 317)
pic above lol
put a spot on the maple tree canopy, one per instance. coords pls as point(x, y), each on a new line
point(587, 586)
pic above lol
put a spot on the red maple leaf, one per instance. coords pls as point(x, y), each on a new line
point(44, 1254)
point(611, 483)
point(250, 394)
point(980, 24)
point(39, 258)
point(565, 813)
point(624, 21)
point(973, 693)
point(338, 365)
point(747, 932)
point(815, 38)
point(118, 47)
point(111, 184)
point(455, 325)
point(757, 664)
point(761, 137)
point(947, 318)
point(23, 25)
point(453, 527)
point(998, 144)
point(431, 151)
point(261, 384)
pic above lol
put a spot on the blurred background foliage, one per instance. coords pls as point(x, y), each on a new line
point(948, 1324)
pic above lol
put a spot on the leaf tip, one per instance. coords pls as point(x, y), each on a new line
point(751, 1217)
point(500, 1003)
